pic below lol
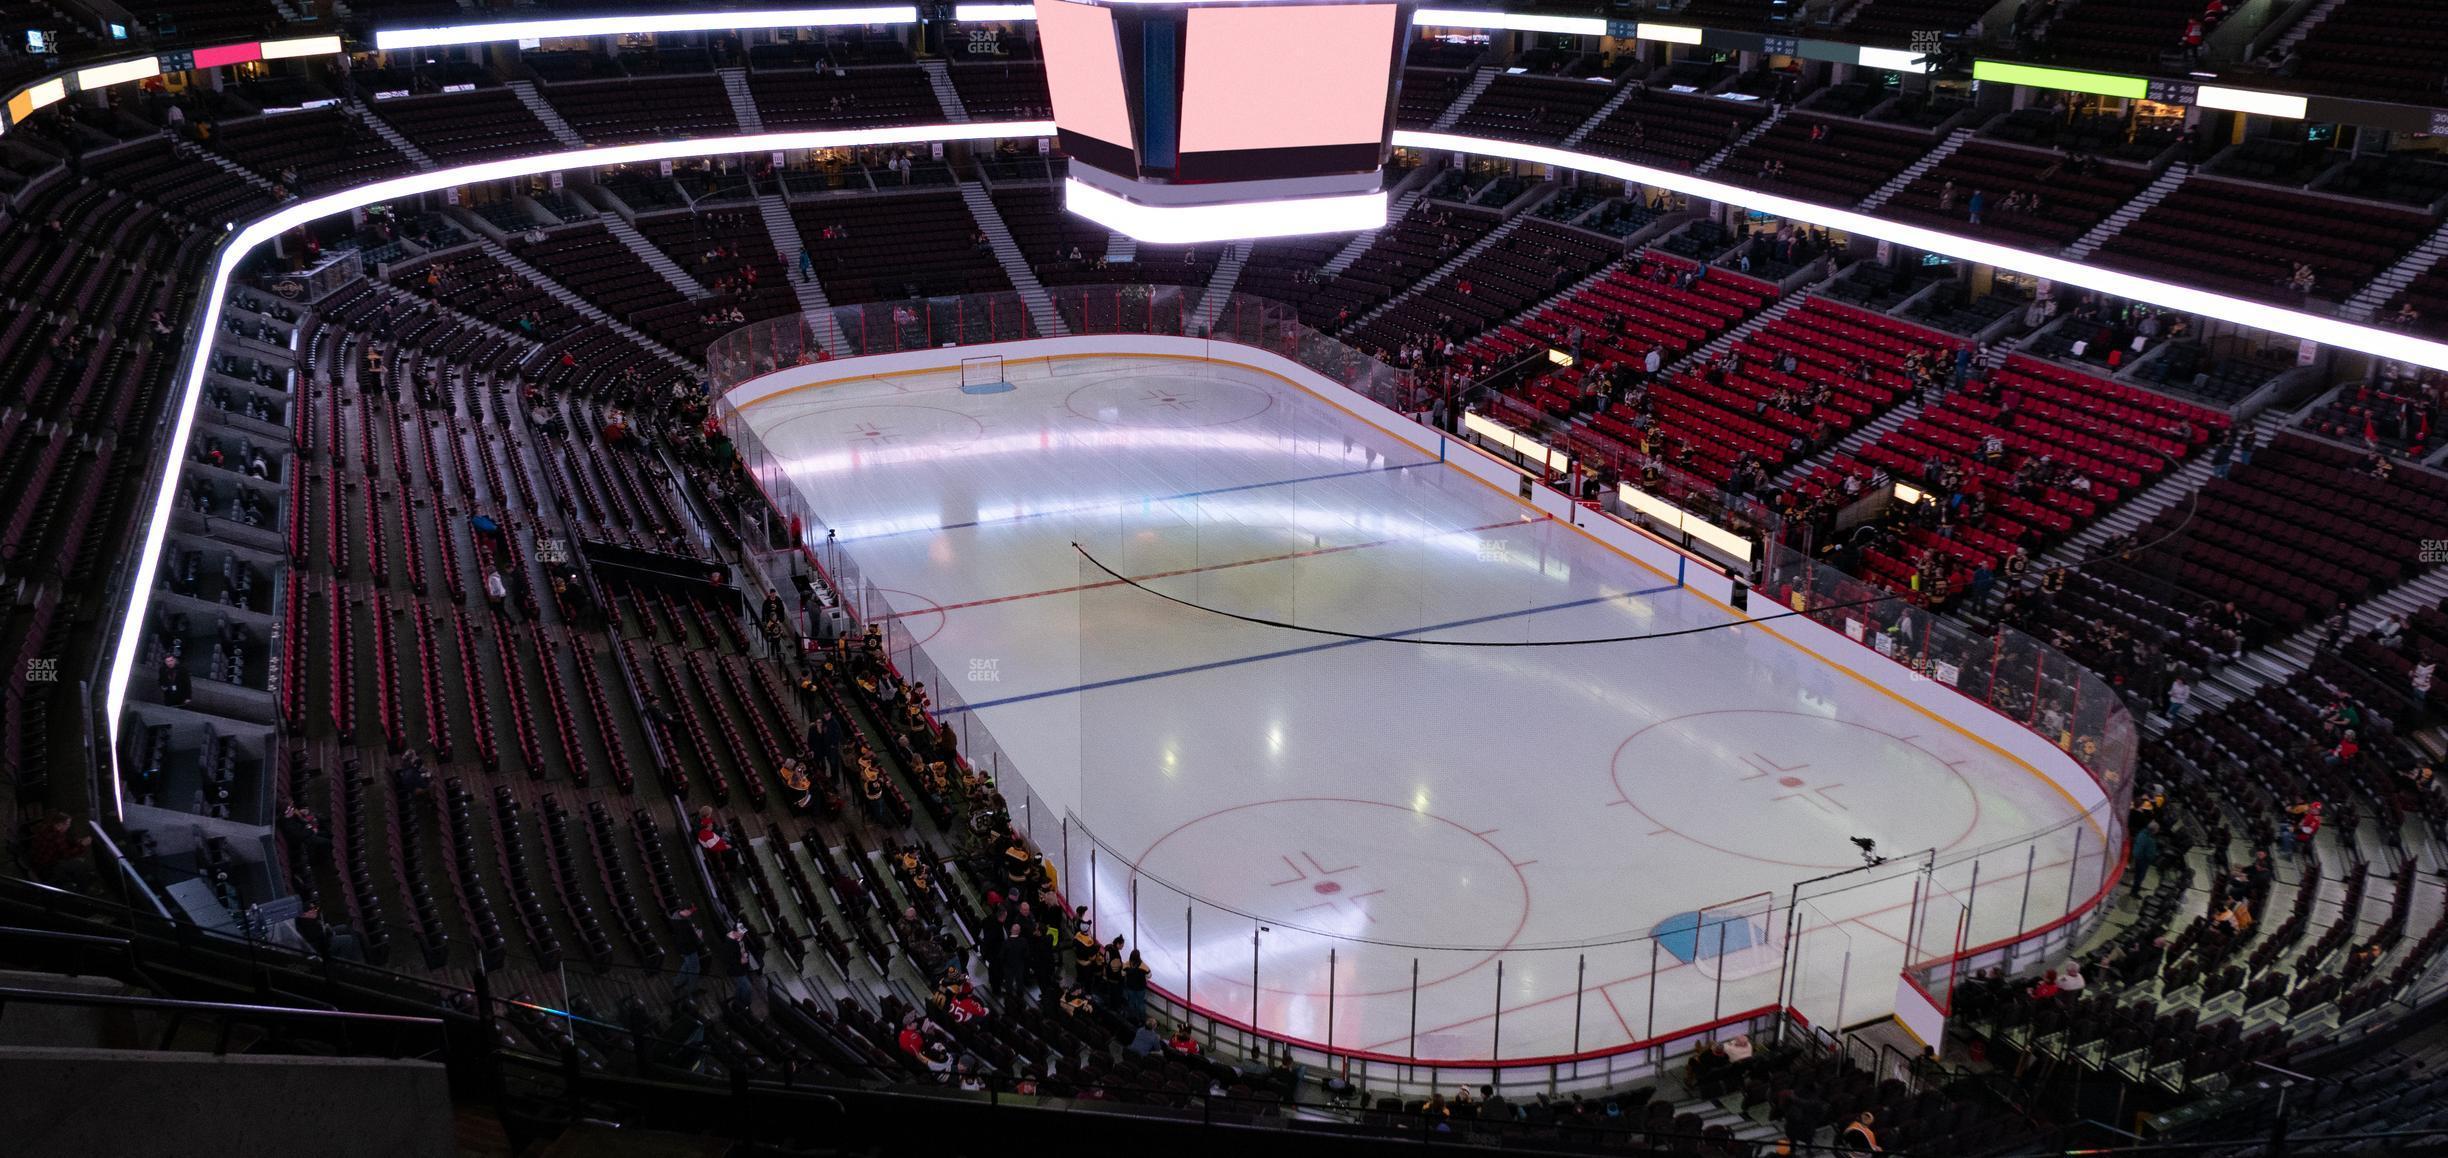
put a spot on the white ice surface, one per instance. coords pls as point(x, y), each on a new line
point(1540, 806)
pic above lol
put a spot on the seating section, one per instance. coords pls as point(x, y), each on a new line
point(1014, 91)
point(2303, 529)
point(850, 99)
point(2394, 50)
point(879, 248)
point(1426, 94)
point(2072, 198)
point(2427, 299)
point(469, 280)
point(619, 112)
point(1671, 130)
point(2037, 451)
point(1896, 21)
point(2398, 413)
point(457, 128)
point(1539, 259)
point(2129, 32)
point(2246, 239)
point(1396, 258)
point(1848, 162)
point(1047, 234)
point(730, 253)
point(617, 279)
point(1533, 108)
point(322, 148)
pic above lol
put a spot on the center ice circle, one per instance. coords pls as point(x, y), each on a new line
point(1790, 788)
point(1350, 869)
point(1165, 401)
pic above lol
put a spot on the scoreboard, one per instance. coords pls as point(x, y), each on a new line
point(1204, 121)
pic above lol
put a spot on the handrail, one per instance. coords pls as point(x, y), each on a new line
point(125, 1001)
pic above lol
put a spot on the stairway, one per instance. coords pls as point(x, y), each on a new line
point(1623, 93)
point(1453, 112)
point(654, 257)
point(2303, 28)
point(1360, 242)
point(243, 173)
point(526, 92)
point(813, 305)
point(390, 136)
point(939, 75)
point(2129, 212)
point(2294, 653)
point(1220, 286)
point(1751, 325)
point(585, 309)
point(743, 102)
point(1901, 181)
point(1855, 441)
point(1752, 134)
point(2393, 280)
point(1015, 265)
point(1441, 272)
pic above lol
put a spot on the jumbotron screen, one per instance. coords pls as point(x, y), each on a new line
point(1215, 93)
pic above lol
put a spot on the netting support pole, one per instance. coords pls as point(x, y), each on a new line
point(1844, 977)
point(2073, 868)
point(1717, 1002)
point(1580, 979)
point(1972, 895)
point(1330, 1003)
point(1093, 909)
point(1189, 958)
point(1413, 1051)
point(1134, 903)
point(1255, 933)
point(1651, 1030)
point(1496, 1036)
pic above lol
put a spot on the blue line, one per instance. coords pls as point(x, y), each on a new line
point(1293, 651)
point(1281, 482)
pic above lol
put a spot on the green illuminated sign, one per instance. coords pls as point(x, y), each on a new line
point(2100, 83)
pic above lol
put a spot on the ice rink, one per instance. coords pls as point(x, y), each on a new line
point(1420, 816)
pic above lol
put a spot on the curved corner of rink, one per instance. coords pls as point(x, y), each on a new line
point(1476, 856)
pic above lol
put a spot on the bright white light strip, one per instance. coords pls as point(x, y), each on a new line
point(2243, 100)
point(1192, 224)
point(301, 46)
point(389, 38)
point(1894, 59)
point(1667, 33)
point(2390, 344)
point(1508, 21)
point(1513, 440)
point(973, 13)
point(49, 92)
point(105, 75)
point(296, 213)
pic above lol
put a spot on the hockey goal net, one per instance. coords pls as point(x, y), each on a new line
point(981, 370)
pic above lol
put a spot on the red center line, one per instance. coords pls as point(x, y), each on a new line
point(1312, 552)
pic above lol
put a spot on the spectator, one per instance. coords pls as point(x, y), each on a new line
point(709, 833)
point(304, 834)
point(2145, 851)
point(58, 853)
point(691, 945)
point(174, 686)
point(741, 964)
point(2179, 693)
point(1858, 1137)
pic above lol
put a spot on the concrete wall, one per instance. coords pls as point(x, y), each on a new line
point(122, 1102)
